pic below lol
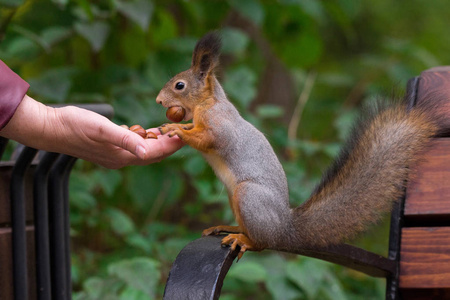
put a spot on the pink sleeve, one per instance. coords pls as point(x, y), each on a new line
point(12, 90)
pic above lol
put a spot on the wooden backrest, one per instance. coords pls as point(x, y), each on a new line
point(425, 236)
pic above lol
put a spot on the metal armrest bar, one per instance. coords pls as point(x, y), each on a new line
point(199, 270)
point(43, 279)
point(353, 257)
point(65, 190)
point(18, 221)
point(3, 143)
point(60, 268)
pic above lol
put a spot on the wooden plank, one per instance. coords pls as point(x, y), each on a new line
point(434, 85)
point(6, 273)
point(425, 258)
point(428, 193)
point(434, 81)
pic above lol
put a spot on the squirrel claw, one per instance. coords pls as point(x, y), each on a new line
point(241, 240)
point(211, 231)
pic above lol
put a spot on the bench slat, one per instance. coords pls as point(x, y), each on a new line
point(428, 194)
point(6, 263)
point(425, 257)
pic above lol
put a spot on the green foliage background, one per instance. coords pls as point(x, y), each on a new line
point(128, 225)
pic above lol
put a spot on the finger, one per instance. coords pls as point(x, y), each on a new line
point(161, 148)
point(124, 139)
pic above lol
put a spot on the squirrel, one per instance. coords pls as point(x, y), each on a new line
point(370, 173)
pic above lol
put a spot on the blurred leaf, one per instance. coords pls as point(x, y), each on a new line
point(336, 79)
point(128, 107)
point(333, 289)
point(22, 48)
point(134, 46)
point(269, 111)
point(94, 287)
point(86, 7)
point(182, 44)
point(108, 180)
point(344, 123)
point(133, 294)
point(195, 165)
point(248, 272)
point(53, 84)
point(55, 34)
point(139, 273)
point(32, 36)
point(312, 7)
point(83, 200)
point(240, 85)
point(310, 46)
point(139, 11)
point(138, 241)
point(277, 284)
point(307, 280)
point(95, 33)
point(332, 149)
point(251, 9)
point(62, 3)
point(12, 3)
point(234, 41)
point(320, 280)
point(121, 223)
point(98, 288)
point(166, 28)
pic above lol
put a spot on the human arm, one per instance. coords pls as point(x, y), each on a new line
point(84, 134)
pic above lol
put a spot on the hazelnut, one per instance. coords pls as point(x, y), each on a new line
point(139, 130)
point(176, 113)
point(151, 135)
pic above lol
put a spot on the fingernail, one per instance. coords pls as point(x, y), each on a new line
point(140, 152)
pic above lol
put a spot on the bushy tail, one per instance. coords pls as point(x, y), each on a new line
point(369, 175)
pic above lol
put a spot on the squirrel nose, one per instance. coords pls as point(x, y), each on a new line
point(158, 100)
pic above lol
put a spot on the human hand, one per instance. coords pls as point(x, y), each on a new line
point(94, 138)
point(85, 134)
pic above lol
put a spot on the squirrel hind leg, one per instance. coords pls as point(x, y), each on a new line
point(216, 230)
point(241, 240)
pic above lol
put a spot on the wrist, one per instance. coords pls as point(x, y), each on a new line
point(32, 124)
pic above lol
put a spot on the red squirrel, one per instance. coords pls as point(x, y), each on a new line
point(368, 176)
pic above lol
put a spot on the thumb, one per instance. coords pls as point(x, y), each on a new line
point(127, 140)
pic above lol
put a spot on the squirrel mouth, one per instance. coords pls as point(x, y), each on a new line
point(176, 113)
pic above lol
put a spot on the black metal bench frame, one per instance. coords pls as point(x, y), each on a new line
point(51, 218)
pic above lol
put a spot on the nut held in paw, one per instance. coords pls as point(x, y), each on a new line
point(175, 114)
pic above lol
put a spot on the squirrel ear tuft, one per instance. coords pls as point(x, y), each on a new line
point(206, 54)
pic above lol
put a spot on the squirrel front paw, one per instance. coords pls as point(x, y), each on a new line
point(169, 128)
point(165, 128)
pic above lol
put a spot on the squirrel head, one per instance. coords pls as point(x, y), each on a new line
point(195, 85)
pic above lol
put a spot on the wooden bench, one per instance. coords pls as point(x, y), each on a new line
point(34, 218)
point(418, 264)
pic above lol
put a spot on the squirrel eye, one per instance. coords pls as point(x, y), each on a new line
point(179, 85)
